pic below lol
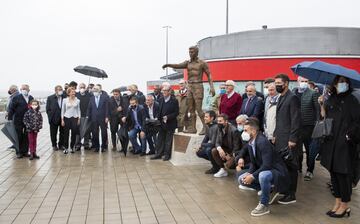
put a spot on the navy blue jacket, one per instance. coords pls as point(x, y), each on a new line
point(171, 110)
point(18, 108)
point(156, 108)
point(141, 117)
point(53, 110)
point(98, 114)
point(266, 158)
point(255, 108)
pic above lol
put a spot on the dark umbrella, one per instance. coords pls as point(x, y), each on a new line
point(85, 126)
point(124, 138)
point(324, 73)
point(91, 71)
point(10, 132)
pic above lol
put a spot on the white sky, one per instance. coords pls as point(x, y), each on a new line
point(41, 41)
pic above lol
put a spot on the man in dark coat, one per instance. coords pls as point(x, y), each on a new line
point(209, 141)
point(116, 108)
point(152, 109)
point(84, 96)
point(98, 114)
point(266, 168)
point(53, 111)
point(135, 121)
point(253, 106)
point(286, 132)
point(138, 94)
point(157, 93)
point(18, 107)
point(169, 110)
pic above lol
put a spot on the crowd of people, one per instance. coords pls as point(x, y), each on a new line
point(261, 135)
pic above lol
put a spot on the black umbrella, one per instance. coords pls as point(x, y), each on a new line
point(10, 132)
point(91, 71)
point(124, 138)
point(85, 126)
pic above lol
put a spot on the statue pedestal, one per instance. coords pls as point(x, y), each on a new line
point(183, 152)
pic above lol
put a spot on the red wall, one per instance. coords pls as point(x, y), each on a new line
point(261, 69)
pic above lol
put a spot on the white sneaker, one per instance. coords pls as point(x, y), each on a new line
point(221, 173)
point(246, 188)
point(260, 210)
point(259, 193)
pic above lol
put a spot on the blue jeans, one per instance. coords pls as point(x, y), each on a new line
point(314, 150)
point(204, 152)
point(133, 135)
point(264, 183)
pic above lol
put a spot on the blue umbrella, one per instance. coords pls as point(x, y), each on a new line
point(324, 73)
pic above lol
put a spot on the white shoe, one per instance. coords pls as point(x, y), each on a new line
point(245, 188)
point(65, 151)
point(221, 173)
point(260, 210)
point(259, 193)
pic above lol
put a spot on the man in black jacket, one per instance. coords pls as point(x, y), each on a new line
point(53, 111)
point(169, 110)
point(227, 144)
point(138, 94)
point(286, 134)
point(116, 109)
point(157, 93)
point(152, 110)
point(266, 171)
point(209, 141)
point(84, 96)
point(17, 110)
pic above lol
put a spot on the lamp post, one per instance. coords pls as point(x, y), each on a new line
point(167, 46)
point(227, 16)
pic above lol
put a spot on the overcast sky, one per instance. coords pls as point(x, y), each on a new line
point(41, 41)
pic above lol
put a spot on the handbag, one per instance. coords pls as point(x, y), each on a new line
point(323, 129)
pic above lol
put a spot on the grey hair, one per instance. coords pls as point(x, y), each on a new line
point(242, 116)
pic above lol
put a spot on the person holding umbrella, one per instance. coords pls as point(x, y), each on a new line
point(338, 150)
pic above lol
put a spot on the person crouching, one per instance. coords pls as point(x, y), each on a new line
point(33, 123)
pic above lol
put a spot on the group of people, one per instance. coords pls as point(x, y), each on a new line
point(260, 135)
point(263, 136)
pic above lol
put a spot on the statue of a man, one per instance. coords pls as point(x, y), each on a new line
point(195, 69)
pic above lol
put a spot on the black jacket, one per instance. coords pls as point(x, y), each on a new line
point(266, 158)
point(53, 110)
point(171, 110)
point(338, 152)
point(210, 136)
point(18, 108)
point(140, 97)
point(158, 97)
point(287, 120)
point(115, 115)
point(234, 138)
point(84, 102)
point(310, 108)
point(156, 110)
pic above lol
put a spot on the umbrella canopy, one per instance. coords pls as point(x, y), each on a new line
point(91, 71)
point(324, 73)
point(10, 132)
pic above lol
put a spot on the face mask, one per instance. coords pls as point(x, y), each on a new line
point(303, 86)
point(266, 91)
point(34, 107)
point(240, 128)
point(60, 93)
point(279, 89)
point(9, 92)
point(133, 107)
point(96, 94)
point(82, 90)
point(24, 92)
point(342, 87)
point(222, 91)
point(245, 136)
point(221, 126)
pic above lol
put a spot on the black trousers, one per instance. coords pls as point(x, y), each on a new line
point(23, 140)
point(114, 127)
point(71, 124)
point(164, 142)
point(305, 139)
point(342, 186)
point(96, 126)
point(54, 129)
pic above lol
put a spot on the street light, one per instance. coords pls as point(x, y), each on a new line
point(227, 16)
point(167, 47)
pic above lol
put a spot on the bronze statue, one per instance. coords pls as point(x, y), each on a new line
point(195, 68)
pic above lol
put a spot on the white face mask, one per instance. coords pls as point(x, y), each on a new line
point(82, 90)
point(34, 107)
point(303, 85)
point(96, 94)
point(60, 93)
point(24, 92)
point(245, 136)
point(342, 87)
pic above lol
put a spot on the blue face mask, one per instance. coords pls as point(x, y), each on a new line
point(342, 87)
point(240, 128)
point(222, 91)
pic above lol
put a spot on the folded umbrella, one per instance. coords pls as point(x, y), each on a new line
point(124, 138)
point(91, 71)
point(85, 125)
point(324, 73)
point(10, 132)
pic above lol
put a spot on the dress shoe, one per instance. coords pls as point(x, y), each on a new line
point(31, 157)
point(155, 157)
point(103, 150)
point(212, 170)
point(113, 148)
point(26, 155)
point(166, 158)
point(136, 152)
point(142, 154)
point(96, 150)
point(19, 156)
point(55, 148)
point(150, 153)
point(36, 156)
